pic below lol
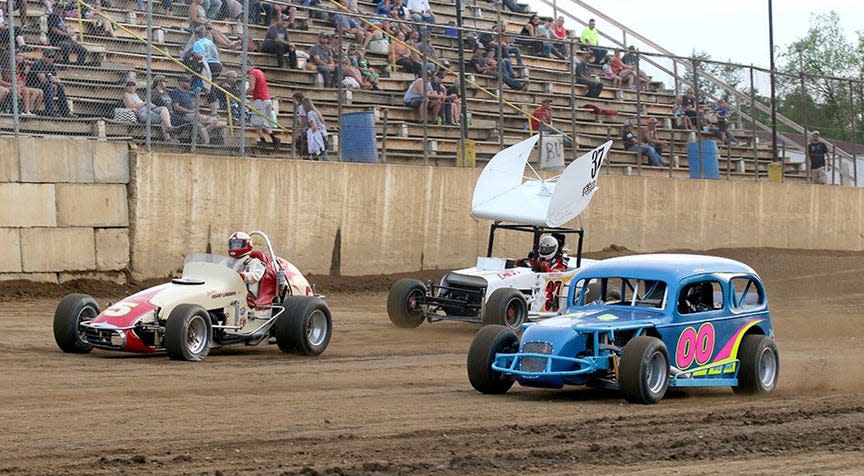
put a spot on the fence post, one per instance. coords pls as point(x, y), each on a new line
point(804, 113)
point(695, 63)
point(854, 133)
point(148, 133)
point(384, 137)
point(244, 68)
point(638, 114)
point(500, 73)
point(340, 88)
point(753, 125)
point(14, 62)
point(424, 108)
point(572, 103)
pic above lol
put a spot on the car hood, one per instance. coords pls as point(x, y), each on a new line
point(603, 317)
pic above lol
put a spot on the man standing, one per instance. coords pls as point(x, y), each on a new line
point(263, 107)
point(591, 37)
point(61, 36)
point(816, 151)
point(43, 75)
point(541, 120)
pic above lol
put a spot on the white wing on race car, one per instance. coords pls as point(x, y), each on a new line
point(502, 194)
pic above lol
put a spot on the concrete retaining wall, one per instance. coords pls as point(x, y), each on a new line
point(365, 219)
point(64, 208)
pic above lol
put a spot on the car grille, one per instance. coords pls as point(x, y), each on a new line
point(104, 338)
point(535, 364)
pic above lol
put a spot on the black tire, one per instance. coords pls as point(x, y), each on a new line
point(644, 370)
point(188, 333)
point(506, 307)
point(305, 326)
point(760, 365)
point(489, 341)
point(403, 303)
point(71, 312)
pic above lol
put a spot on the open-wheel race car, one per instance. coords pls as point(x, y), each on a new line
point(210, 305)
point(505, 291)
point(641, 324)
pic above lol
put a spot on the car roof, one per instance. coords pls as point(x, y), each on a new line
point(667, 267)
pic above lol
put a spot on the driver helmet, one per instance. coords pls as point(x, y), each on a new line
point(547, 247)
point(239, 244)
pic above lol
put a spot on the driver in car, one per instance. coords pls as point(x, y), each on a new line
point(252, 269)
point(547, 259)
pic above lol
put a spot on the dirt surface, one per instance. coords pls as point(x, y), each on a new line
point(384, 400)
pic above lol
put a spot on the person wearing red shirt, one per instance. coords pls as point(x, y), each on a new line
point(263, 107)
point(541, 120)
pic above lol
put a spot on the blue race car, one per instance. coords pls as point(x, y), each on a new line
point(623, 317)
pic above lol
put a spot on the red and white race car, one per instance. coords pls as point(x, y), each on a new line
point(208, 306)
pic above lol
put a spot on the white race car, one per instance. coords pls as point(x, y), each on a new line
point(208, 306)
point(508, 291)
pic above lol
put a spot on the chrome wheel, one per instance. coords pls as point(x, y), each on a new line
point(656, 372)
point(86, 314)
point(316, 328)
point(767, 368)
point(196, 335)
point(515, 314)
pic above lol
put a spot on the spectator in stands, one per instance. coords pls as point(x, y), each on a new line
point(420, 11)
point(350, 25)
point(688, 102)
point(547, 30)
point(379, 42)
point(721, 113)
point(540, 47)
point(403, 56)
point(515, 7)
point(437, 92)
point(591, 37)
point(432, 59)
point(299, 126)
point(197, 14)
point(212, 8)
point(220, 101)
point(256, 8)
point(4, 30)
point(649, 136)
point(186, 111)
point(370, 75)
point(43, 75)
point(507, 49)
point(323, 57)
point(816, 152)
point(232, 10)
point(156, 114)
point(263, 107)
point(276, 42)
point(541, 120)
point(631, 62)
point(30, 97)
point(414, 95)
point(583, 74)
point(559, 32)
point(207, 50)
point(453, 105)
point(61, 36)
point(484, 62)
point(352, 78)
point(478, 61)
point(384, 7)
point(632, 144)
point(316, 133)
point(166, 4)
point(619, 68)
point(682, 121)
point(610, 73)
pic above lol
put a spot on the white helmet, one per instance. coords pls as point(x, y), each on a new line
point(547, 247)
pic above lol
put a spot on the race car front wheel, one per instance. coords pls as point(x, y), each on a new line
point(74, 310)
point(644, 370)
point(760, 365)
point(188, 333)
point(481, 355)
point(506, 307)
point(304, 327)
point(404, 303)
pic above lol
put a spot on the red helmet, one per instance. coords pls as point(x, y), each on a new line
point(239, 244)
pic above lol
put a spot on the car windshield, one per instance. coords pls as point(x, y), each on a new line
point(226, 261)
point(621, 291)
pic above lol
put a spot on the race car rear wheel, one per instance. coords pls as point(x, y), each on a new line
point(481, 355)
point(644, 370)
point(506, 307)
point(304, 327)
point(760, 365)
point(404, 303)
point(74, 310)
point(188, 333)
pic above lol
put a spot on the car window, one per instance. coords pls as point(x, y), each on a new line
point(701, 296)
point(622, 292)
point(747, 293)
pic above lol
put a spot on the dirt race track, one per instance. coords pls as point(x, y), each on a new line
point(384, 400)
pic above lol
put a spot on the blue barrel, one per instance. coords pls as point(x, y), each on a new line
point(358, 137)
point(709, 159)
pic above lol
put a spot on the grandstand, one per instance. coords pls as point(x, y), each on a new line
point(95, 91)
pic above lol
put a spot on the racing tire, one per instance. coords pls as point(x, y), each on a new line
point(644, 370)
point(188, 333)
point(73, 310)
point(403, 303)
point(759, 365)
point(489, 341)
point(506, 307)
point(305, 326)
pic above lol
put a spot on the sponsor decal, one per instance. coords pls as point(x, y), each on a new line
point(607, 317)
point(506, 274)
point(220, 294)
point(589, 188)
